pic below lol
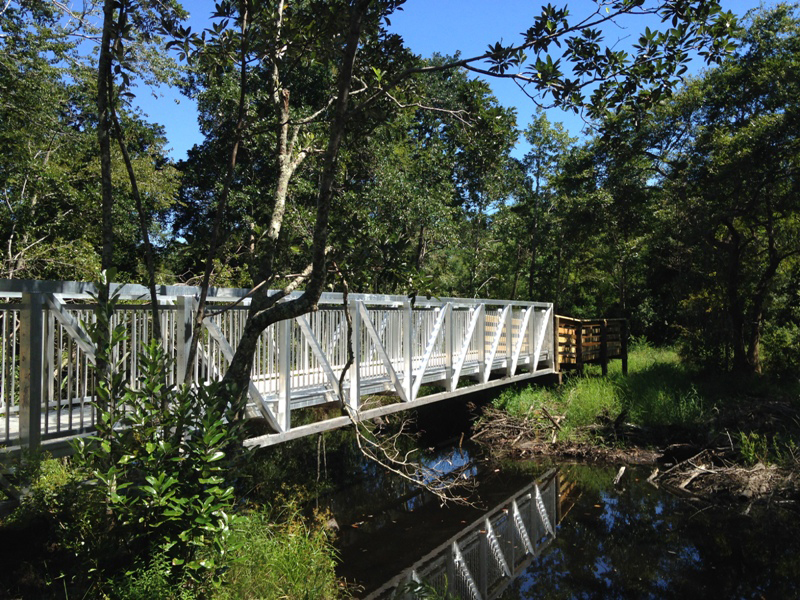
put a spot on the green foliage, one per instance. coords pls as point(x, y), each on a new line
point(279, 558)
point(781, 349)
point(162, 466)
point(416, 590)
point(755, 447)
point(657, 391)
point(581, 400)
point(154, 580)
point(59, 499)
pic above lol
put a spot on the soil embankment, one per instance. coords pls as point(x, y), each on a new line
point(717, 464)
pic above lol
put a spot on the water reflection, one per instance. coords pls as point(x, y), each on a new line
point(629, 542)
point(638, 542)
point(484, 557)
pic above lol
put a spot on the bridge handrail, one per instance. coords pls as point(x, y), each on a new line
point(403, 345)
point(79, 290)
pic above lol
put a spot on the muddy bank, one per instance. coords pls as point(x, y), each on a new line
point(709, 471)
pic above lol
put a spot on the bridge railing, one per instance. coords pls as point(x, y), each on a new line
point(591, 341)
point(47, 383)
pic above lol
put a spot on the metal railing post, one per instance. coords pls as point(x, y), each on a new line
point(183, 339)
point(30, 370)
point(532, 337)
point(355, 369)
point(450, 385)
point(510, 342)
point(604, 345)
point(284, 374)
point(408, 348)
point(556, 346)
point(482, 343)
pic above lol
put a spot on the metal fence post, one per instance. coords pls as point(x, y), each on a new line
point(30, 370)
point(355, 369)
point(531, 333)
point(285, 374)
point(448, 348)
point(481, 343)
point(509, 341)
point(183, 341)
point(408, 348)
point(556, 345)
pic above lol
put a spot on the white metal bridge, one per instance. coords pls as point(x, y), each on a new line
point(402, 349)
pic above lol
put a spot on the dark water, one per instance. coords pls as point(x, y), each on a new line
point(632, 541)
point(639, 542)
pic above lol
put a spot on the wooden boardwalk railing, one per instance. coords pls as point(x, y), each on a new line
point(590, 341)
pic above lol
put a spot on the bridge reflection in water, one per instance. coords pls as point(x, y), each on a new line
point(480, 561)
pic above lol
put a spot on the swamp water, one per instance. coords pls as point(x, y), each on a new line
point(632, 541)
point(551, 531)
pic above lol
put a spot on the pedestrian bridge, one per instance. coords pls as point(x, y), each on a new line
point(408, 353)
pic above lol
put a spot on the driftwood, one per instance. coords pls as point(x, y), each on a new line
point(498, 427)
point(713, 476)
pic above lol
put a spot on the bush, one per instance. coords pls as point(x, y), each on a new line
point(153, 580)
point(161, 469)
point(59, 500)
point(781, 350)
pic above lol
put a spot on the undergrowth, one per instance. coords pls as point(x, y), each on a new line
point(661, 393)
point(658, 391)
point(283, 556)
point(147, 506)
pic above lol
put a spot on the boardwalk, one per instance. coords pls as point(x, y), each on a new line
point(403, 349)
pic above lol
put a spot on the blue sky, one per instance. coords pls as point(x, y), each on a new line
point(427, 26)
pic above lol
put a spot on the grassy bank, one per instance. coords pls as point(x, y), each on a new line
point(50, 549)
point(662, 398)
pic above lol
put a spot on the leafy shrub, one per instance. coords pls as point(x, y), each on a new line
point(781, 350)
point(59, 500)
point(161, 467)
point(153, 580)
point(756, 448)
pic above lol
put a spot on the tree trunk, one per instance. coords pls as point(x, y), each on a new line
point(265, 309)
point(144, 226)
point(104, 141)
point(103, 135)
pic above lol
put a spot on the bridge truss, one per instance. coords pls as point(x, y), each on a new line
point(402, 349)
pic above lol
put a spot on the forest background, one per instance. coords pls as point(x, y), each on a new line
point(682, 218)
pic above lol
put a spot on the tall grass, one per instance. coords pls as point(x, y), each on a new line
point(288, 559)
point(658, 391)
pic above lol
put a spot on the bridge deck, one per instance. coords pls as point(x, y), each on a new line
point(46, 379)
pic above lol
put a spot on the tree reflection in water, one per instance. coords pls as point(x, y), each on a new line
point(639, 542)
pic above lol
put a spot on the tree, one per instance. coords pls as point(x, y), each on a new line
point(538, 199)
point(731, 180)
point(50, 172)
point(285, 44)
